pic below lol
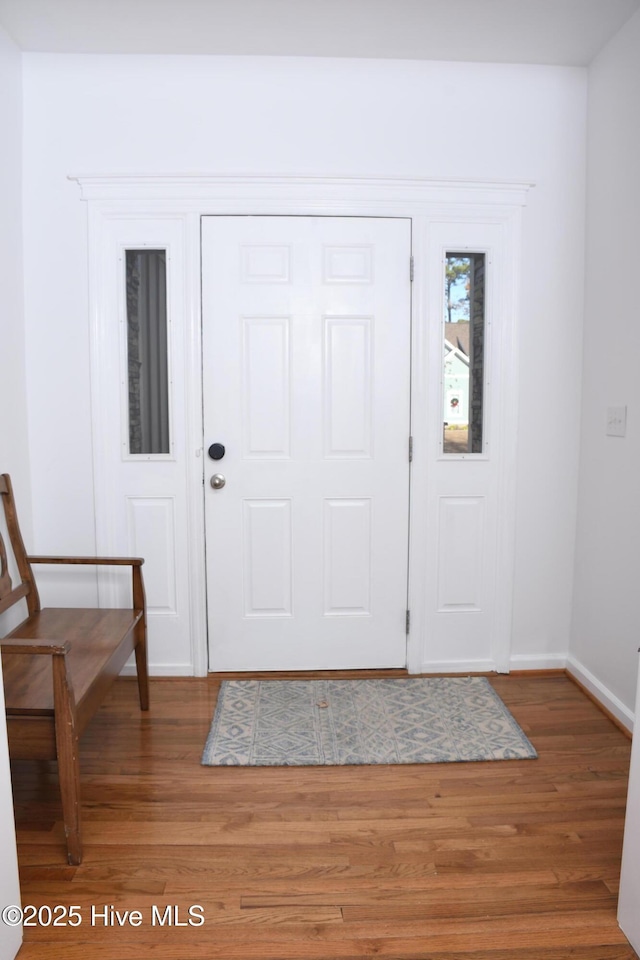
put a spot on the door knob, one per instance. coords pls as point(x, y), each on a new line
point(218, 481)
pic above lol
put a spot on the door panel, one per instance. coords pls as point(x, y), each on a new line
point(306, 351)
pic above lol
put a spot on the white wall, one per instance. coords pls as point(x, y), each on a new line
point(606, 617)
point(14, 457)
point(106, 114)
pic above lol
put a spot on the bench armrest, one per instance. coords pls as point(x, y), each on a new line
point(98, 561)
point(54, 648)
point(139, 601)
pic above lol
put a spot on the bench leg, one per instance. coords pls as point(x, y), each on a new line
point(140, 603)
point(68, 760)
point(141, 665)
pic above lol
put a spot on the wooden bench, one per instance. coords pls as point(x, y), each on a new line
point(59, 664)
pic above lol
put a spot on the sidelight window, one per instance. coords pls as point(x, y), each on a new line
point(464, 353)
point(147, 354)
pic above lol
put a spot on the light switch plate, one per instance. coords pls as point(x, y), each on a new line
point(616, 421)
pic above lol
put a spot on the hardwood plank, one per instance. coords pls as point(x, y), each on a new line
point(396, 949)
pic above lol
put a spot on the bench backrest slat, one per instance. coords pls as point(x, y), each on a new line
point(27, 587)
point(16, 594)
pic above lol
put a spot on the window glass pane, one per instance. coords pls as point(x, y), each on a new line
point(146, 279)
point(464, 321)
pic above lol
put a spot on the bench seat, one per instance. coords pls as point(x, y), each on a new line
point(104, 644)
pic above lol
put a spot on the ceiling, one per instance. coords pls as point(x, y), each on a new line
point(566, 32)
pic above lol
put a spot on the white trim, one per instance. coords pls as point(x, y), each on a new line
point(99, 385)
point(542, 661)
point(603, 695)
point(424, 201)
point(161, 670)
point(202, 187)
point(457, 666)
point(508, 376)
point(194, 443)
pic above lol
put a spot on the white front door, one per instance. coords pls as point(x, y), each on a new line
point(306, 354)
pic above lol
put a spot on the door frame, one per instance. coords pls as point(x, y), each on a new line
point(425, 202)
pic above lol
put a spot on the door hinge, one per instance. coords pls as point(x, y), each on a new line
point(411, 269)
point(408, 622)
point(410, 449)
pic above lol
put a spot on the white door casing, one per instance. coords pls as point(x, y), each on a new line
point(306, 359)
point(493, 212)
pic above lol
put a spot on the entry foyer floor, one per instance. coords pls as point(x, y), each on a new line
point(481, 861)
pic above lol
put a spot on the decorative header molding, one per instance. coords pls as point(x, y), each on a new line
point(203, 188)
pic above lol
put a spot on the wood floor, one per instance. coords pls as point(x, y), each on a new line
point(478, 861)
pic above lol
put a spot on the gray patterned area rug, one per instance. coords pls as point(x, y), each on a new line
point(261, 723)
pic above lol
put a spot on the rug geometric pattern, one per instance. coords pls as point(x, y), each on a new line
point(334, 722)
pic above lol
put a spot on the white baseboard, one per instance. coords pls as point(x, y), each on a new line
point(544, 661)
point(518, 662)
point(602, 694)
point(160, 670)
point(457, 666)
